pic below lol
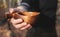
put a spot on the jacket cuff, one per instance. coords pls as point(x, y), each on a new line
point(22, 8)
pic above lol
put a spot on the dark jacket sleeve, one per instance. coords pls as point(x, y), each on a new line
point(46, 7)
point(31, 5)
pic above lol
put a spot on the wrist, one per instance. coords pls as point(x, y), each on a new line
point(22, 8)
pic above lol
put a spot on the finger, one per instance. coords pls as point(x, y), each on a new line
point(16, 21)
point(26, 27)
point(20, 25)
point(11, 10)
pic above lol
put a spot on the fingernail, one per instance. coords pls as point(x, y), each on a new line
point(19, 19)
point(25, 23)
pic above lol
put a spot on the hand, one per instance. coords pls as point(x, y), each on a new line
point(18, 23)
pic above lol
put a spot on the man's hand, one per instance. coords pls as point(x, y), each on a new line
point(18, 23)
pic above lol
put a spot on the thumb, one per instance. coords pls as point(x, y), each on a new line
point(11, 10)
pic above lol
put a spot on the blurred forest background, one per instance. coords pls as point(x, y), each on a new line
point(6, 4)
